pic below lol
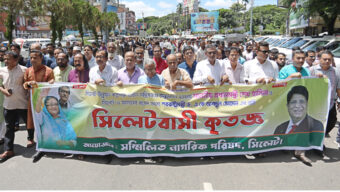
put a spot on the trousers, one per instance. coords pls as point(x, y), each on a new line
point(11, 117)
point(332, 119)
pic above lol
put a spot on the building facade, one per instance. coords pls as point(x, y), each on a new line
point(190, 6)
point(127, 17)
point(299, 24)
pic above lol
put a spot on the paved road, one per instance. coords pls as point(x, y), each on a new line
point(277, 171)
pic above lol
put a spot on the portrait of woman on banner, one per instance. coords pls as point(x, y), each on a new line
point(56, 131)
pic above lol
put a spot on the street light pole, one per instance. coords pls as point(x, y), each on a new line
point(251, 17)
point(143, 21)
point(104, 10)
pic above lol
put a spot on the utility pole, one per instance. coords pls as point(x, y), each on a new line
point(185, 18)
point(287, 22)
point(251, 18)
point(143, 20)
point(104, 10)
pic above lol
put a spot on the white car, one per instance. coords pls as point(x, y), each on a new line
point(336, 53)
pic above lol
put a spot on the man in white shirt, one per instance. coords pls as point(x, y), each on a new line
point(260, 69)
point(194, 44)
point(310, 58)
point(103, 74)
point(234, 69)
point(210, 71)
point(114, 60)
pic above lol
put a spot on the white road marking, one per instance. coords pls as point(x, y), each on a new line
point(207, 187)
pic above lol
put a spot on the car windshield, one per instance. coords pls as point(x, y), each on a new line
point(276, 40)
point(269, 40)
point(279, 42)
point(259, 38)
point(333, 45)
point(298, 44)
point(336, 52)
point(315, 45)
point(290, 42)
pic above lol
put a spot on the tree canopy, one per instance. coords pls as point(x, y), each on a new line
point(271, 17)
point(63, 13)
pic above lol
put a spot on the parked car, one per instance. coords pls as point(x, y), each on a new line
point(336, 53)
point(280, 42)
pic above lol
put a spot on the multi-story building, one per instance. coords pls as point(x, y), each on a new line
point(190, 6)
point(26, 27)
point(299, 24)
point(127, 17)
point(131, 22)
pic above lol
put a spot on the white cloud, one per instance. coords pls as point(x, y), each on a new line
point(139, 6)
point(165, 5)
point(160, 9)
point(219, 3)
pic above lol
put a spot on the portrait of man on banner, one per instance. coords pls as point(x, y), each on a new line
point(300, 121)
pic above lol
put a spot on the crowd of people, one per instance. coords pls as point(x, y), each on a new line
point(174, 64)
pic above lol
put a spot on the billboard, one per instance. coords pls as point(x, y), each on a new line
point(111, 8)
point(122, 20)
point(140, 26)
point(280, 3)
point(38, 24)
point(204, 22)
point(296, 18)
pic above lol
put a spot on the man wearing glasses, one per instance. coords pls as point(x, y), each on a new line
point(260, 69)
point(103, 74)
point(64, 94)
point(210, 71)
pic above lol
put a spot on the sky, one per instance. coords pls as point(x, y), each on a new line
point(162, 7)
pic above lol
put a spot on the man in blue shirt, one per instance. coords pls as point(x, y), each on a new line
point(151, 76)
point(295, 70)
point(189, 63)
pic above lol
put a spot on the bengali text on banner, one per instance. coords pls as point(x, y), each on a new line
point(146, 120)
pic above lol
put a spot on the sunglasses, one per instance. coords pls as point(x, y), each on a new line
point(212, 53)
point(265, 52)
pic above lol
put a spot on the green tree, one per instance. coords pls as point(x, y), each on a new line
point(79, 12)
point(92, 20)
point(179, 9)
point(108, 21)
point(269, 16)
point(226, 19)
point(231, 18)
point(201, 9)
point(60, 14)
point(237, 8)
